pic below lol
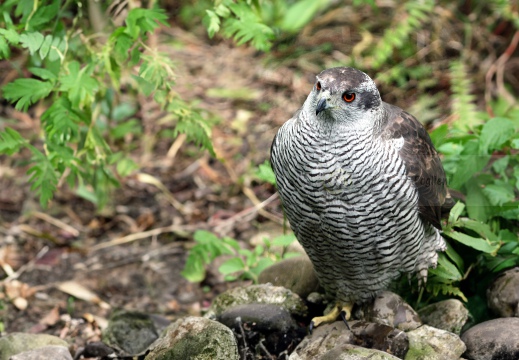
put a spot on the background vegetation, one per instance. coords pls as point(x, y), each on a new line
point(454, 65)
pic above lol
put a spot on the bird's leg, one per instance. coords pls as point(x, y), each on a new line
point(344, 310)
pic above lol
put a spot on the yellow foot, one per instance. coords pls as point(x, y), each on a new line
point(344, 310)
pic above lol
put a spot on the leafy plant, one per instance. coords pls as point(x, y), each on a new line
point(243, 263)
point(85, 113)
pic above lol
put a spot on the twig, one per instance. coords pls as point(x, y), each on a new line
point(56, 222)
point(145, 234)
point(24, 267)
point(498, 67)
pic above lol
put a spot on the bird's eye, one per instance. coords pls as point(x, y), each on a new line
point(348, 97)
point(318, 86)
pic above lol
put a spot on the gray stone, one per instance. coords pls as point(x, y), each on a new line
point(390, 309)
point(503, 294)
point(53, 352)
point(257, 294)
point(327, 341)
point(259, 317)
point(493, 339)
point(449, 315)
point(17, 343)
point(296, 274)
point(130, 332)
point(195, 338)
point(429, 343)
point(345, 352)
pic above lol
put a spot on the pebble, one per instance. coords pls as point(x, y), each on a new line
point(296, 274)
point(195, 338)
point(429, 343)
point(129, 331)
point(54, 352)
point(503, 294)
point(390, 309)
point(16, 343)
point(493, 339)
point(449, 315)
point(258, 294)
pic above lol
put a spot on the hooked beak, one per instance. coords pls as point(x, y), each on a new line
point(321, 105)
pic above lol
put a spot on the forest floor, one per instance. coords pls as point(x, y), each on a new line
point(67, 267)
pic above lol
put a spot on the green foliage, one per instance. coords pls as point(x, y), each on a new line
point(80, 124)
point(265, 173)
point(243, 264)
point(482, 165)
point(248, 21)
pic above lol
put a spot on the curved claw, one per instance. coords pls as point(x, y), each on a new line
point(311, 327)
point(344, 316)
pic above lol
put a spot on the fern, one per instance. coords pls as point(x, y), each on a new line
point(412, 17)
point(463, 101)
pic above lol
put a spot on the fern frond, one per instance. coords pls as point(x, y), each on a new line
point(463, 100)
point(395, 37)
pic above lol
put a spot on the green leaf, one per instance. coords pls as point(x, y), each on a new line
point(45, 46)
point(140, 20)
point(300, 13)
point(26, 92)
point(500, 193)
point(194, 270)
point(439, 135)
point(455, 257)
point(494, 134)
point(43, 73)
point(212, 22)
point(42, 176)
point(478, 206)
point(446, 269)
point(284, 240)
point(456, 212)
point(265, 173)
point(126, 166)
point(80, 86)
point(32, 41)
point(482, 229)
point(231, 266)
point(4, 49)
point(261, 265)
point(475, 243)
point(470, 162)
point(11, 141)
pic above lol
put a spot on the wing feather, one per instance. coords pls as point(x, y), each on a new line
point(422, 162)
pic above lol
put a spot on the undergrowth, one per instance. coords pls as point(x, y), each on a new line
point(88, 82)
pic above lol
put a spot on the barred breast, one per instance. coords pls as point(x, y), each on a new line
point(352, 207)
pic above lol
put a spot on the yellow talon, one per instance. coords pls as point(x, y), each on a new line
point(337, 310)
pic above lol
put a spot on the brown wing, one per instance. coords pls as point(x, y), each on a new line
point(422, 164)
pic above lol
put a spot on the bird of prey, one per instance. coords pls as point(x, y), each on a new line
point(362, 187)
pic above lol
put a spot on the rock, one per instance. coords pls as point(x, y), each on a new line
point(390, 309)
point(345, 352)
point(327, 341)
point(380, 337)
point(95, 349)
point(258, 294)
point(296, 274)
point(259, 317)
point(449, 315)
point(17, 343)
point(267, 325)
point(429, 343)
point(195, 338)
point(503, 294)
point(493, 339)
point(130, 332)
point(54, 352)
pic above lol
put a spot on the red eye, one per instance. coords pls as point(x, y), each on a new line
point(348, 97)
point(318, 86)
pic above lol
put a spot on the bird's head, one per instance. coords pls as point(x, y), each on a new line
point(345, 95)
